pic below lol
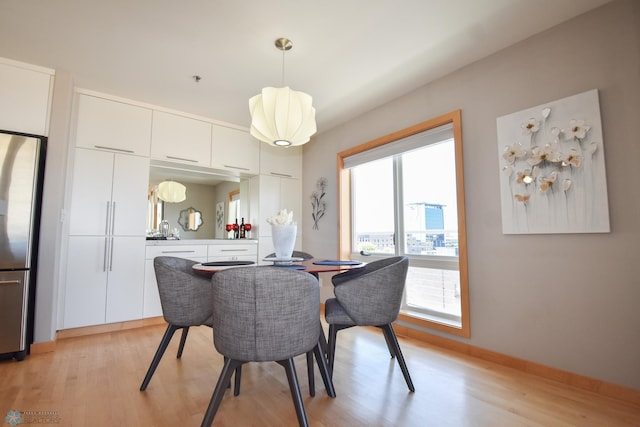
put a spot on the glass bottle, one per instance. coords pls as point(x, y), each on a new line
point(242, 230)
point(236, 230)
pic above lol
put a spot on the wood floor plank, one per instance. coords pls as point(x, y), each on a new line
point(94, 381)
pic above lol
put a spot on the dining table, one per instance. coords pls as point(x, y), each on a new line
point(312, 266)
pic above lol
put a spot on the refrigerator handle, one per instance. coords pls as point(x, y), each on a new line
point(106, 224)
point(111, 255)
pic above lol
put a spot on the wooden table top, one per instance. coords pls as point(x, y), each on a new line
point(309, 267)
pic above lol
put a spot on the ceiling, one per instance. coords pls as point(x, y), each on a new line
point(350, 55)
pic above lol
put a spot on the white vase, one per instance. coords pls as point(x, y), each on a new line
point(284, 239)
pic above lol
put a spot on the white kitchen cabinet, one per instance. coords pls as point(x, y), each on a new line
point(234, 150)
point(105, 124)
point(106, 246)
point(109, 194)
point(237, 250)
point(104, 280)
point(233, 252)
point(274, 194)
point(151, 303)
point(25, 91)
point(281, 161)
point(180, 139)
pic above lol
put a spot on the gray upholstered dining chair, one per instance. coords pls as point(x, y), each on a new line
point(312, 389)
point(369, 296)
point(265, 314)
point(185, 297)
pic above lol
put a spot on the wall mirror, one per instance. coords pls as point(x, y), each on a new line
point(190, 219)
point(206, 205)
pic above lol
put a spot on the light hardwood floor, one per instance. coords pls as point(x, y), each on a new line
point(94, 381)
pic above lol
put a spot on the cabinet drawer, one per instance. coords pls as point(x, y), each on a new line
point(233, 250)
point(180, 251)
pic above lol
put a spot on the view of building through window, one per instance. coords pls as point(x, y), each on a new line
point(406, 204)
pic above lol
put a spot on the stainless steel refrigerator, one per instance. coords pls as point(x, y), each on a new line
point(21, 175)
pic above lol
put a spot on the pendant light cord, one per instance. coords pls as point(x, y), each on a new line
point(282, 84)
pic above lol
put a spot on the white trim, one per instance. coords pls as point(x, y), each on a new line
point(26, 66)
point(412, 142)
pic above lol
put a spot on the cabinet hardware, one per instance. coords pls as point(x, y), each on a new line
point(106, 223)
point(9, 282)
point(177, 252)
point(106, 251)
point(113, 218)
point(183, 159)
point(233, 250)
point(286, 175)
point(111, 256)
point(114, 149)
point(236, 167)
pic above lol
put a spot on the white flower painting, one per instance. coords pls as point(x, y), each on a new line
point(552, 176)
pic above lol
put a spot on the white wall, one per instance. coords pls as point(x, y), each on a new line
point(570, 301)
point(52, 203)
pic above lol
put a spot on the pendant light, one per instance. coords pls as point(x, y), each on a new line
point(172, 192)
point(282, 116)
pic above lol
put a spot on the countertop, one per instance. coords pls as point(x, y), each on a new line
point(202, 242)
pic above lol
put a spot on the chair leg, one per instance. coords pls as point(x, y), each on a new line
point(389, 344)
point(310, 373)
point(391, 336)
point(323, 341)
point(290, 369)
point(183, 339)
point(331, 348)
point(230, 365)
point(324, 370)
point(236, 387)
point(331, 345)
point(168, 334)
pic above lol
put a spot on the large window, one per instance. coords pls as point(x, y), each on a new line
point(403, 195)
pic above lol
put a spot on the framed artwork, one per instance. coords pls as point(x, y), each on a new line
point(220, 224)
point(552, 169)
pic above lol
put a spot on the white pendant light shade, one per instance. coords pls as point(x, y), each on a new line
point(172, 192)
point(281, 116)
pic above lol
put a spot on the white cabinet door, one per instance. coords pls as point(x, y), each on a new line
point(105, 270)
point(91, 192)
point(181, 139)
point(234, 150)
point(110, 125)
point(25, 98)
point(109, 194)
point(125, 284)
point(86, 283)
point(151, 305)
point(129, 196)
point(269, 202)
point(277, 194)
point(281, 161)
point(291, 199)
point(105, 279)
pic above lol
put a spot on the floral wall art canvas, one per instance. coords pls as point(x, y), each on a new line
point(552, 169)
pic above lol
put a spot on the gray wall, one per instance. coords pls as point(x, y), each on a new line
point(570, 301)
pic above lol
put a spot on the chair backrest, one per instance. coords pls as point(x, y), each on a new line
point(295, 254)
point(184, 294)
point(372, 295)
point(265, 313)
